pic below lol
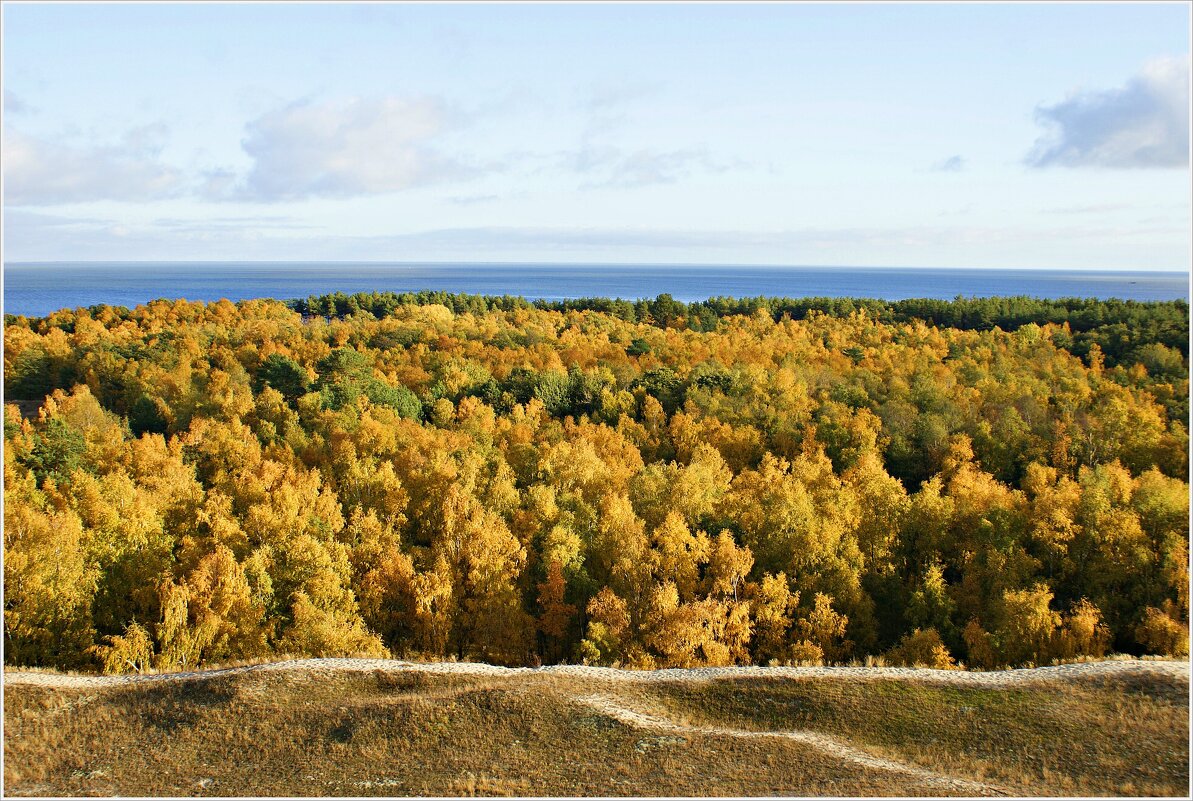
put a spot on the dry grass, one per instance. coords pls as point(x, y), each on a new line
point(414, 733)
point(1109, 736)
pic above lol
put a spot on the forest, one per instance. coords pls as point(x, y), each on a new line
point(973, 483)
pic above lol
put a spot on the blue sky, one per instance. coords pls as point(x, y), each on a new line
point(1017, 135)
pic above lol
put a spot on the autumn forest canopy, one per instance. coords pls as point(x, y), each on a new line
point(986, 482)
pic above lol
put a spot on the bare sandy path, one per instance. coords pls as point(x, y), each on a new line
point(999, 678)
point(822, 742)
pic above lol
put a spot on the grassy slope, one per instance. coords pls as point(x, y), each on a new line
point(288, 732)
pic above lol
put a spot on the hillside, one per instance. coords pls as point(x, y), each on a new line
point(379, 727)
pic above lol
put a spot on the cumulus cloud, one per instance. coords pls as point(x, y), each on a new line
point(343, 149)
point(43, 171)
point(1142, 124)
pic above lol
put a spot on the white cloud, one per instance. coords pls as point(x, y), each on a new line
point(23, 220)
point(218, 184)
point(14, 104)
point(37, 236)
point(800, 243)
point(617, 167)
point(1090, 208)
point(604, 96)
point(42, 171)
point(472, 200)
point(30, 236)
point(951, 164)
point(343, 149)
point(1143, 124)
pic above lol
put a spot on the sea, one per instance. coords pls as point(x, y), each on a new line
point(37, 289)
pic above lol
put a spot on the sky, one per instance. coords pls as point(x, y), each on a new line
point(933, 135)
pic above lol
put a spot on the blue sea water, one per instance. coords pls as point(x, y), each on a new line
point(36, 289)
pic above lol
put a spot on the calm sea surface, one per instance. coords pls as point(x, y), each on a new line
point(38, 289)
